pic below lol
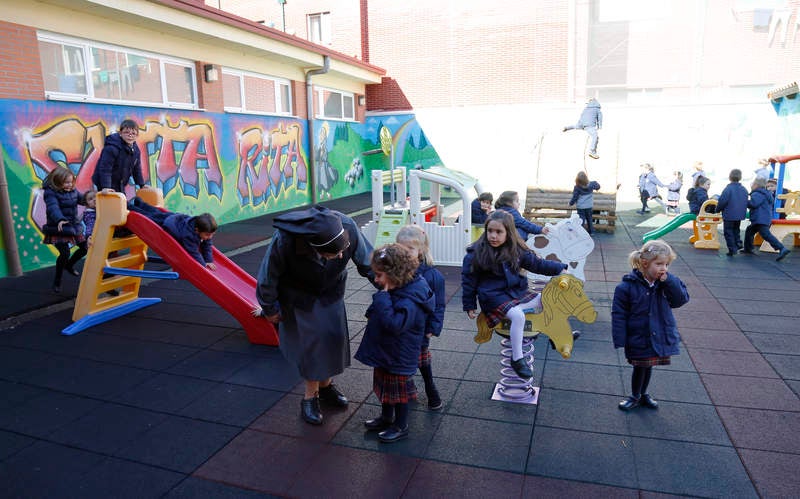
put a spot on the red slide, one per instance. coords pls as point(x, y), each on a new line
point(229, 286)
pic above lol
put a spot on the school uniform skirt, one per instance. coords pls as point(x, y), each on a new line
point(650, 362)
point(392, 388)
point(494, 317)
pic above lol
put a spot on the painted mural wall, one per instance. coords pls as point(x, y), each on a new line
point(233, 166)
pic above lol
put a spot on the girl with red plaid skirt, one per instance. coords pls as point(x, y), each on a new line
point(642, 320)
point(416, 241)
point(393, 336)
point(64, 228)
point(494, 272)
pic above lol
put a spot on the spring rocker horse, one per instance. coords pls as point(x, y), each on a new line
point(562, 297)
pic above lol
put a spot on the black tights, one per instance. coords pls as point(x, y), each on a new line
point(65, 261)
point(396, 412)
point(639, 380)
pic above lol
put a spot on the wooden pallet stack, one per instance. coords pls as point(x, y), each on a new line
point(551, 205)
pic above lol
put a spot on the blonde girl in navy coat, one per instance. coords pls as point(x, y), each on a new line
point(642, 320)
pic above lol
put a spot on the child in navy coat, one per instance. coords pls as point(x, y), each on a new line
point(416, 241)
point(642, 320)
point(761, 204)
point(509, 202)
point(698, 194)
point(493, 274)
point(583, 198)
point(193, 233)
point(732, 203)
point(393, 336)
point(63, 228)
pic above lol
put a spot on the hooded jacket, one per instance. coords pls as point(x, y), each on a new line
point(118, 162)
point(641, 316)
point(583, 195)
point(396, 326)
point(524, 227)
point(435, 320)
point(591, 115)
point(696, 197)
point(761, 204)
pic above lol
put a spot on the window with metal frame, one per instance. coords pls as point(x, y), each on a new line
point(319, 28)
point(335, 104)
point(246, 92)
point(82, 70)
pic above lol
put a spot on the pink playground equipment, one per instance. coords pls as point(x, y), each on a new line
point(782, 227)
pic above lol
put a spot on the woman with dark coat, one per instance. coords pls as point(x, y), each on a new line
point(301, 286)
point(120, 159)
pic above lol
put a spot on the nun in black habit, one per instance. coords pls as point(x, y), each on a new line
point(301, 286)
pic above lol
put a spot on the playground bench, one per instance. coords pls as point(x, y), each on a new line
point(548, 205)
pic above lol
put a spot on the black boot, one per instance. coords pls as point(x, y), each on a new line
point(75, 258)
point(331, 395)
point(309, 410)
point(521, 368)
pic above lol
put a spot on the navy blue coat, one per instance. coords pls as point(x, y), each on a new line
point(641, 316)
point(182, 228)
point(395, 327)
point(118, 162)
point(696, 196)
point(435, 319)
point(761, 204)
point(478, 215)
point(493, 288)
point(61, 205)
point(524, 227)
point(732, 203)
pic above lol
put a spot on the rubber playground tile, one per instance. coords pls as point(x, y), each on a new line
point(593, 378)
point(422, 426)
point(580, 411)
point(212, 365)
point(777, 431)
point(774, 474)
point(435, 479)
point(263, 462)
point(165, 392)
point(452, 365)
point(474, 399)
point(17, 364)
point(584, 456)
point(120, 478)
point(271, 373)
point(537, 487)
point(211, 315)
point(768, 308)
point(679, 421)
point(790, 295)
point(465, 441)
point(771, 282)
point(42, 415)
point(160, 331)
point(788, 344)
point(716, 319)
point(691, 469)
point(283, 418)
point(175, 296)
point(716, 340)
point(231, 405)
point(343, 472)
point(587, 351)
point(179, 444)
point(787, 366)
point(193, 487)
point(453, 340)
point(756, 393)
point(11, 443)
point(731, 363)
point(127, 351)
point(87, 377)
point(107, 428)
point(675, 386)
point(46, 470)
point(764, 324)
point(236, 341)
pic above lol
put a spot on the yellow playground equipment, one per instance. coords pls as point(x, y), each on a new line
point(706, 232)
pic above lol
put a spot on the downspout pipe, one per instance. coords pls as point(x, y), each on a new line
point(312, 167)
point(7, 222)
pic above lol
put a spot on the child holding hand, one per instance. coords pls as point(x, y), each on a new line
point(415, 240)
point(393, 336)
point(494, 274)
point(642, 320)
